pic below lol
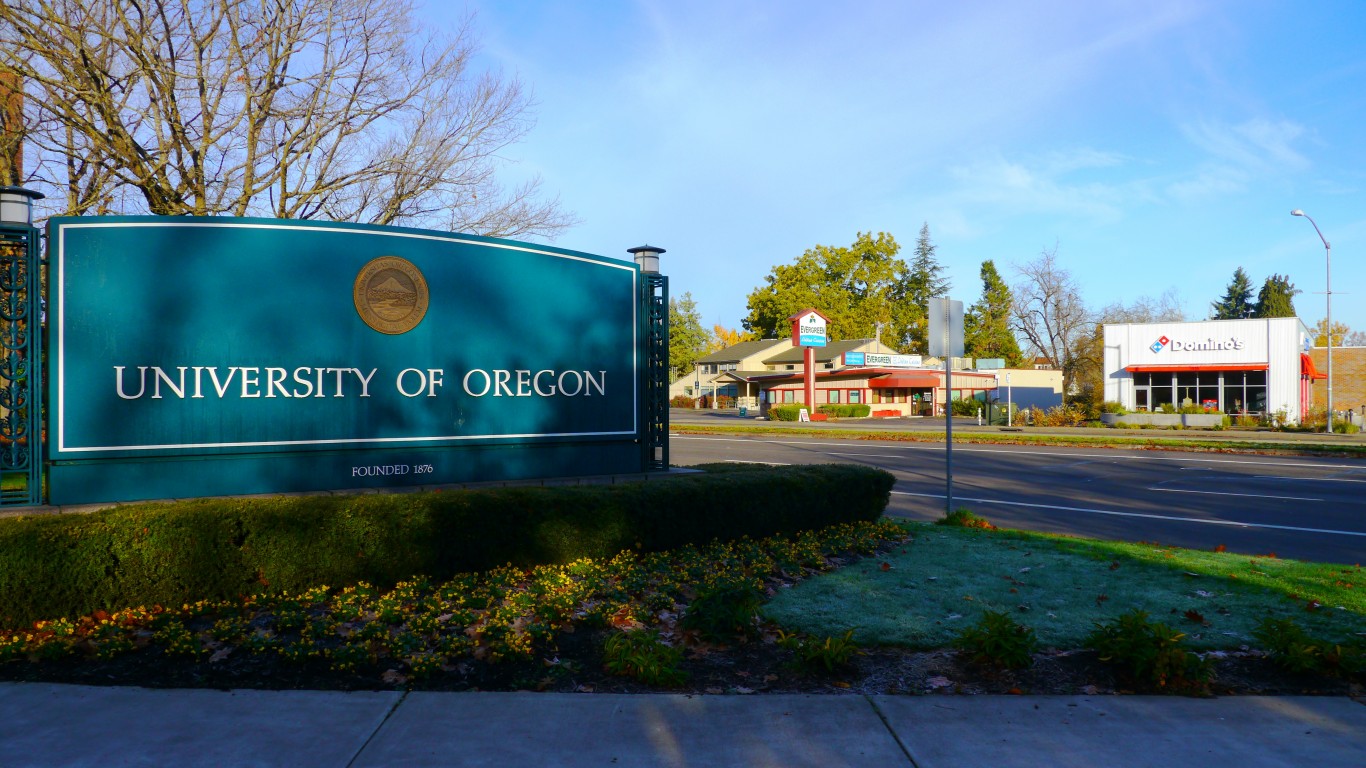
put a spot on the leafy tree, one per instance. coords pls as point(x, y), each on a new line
point(1277, 298)
point(1237, 301)
point(1090, 352)
point(1341, 333)
point(1354, 339)
point(347, 110)
point(1051, 315)
point(986, 326)
point(687, 338)
point(723, 337)
point(861, 288)
point(924, 284)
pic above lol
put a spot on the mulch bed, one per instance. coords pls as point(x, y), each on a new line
point(755, 667)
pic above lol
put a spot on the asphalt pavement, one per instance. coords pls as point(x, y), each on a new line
point(49, 726)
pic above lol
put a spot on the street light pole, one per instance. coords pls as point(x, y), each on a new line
point(1328, 300)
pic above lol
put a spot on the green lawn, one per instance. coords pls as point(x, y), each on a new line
point(944, 578)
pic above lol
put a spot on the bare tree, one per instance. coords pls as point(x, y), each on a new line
point(334, 109)
point(1049, 313)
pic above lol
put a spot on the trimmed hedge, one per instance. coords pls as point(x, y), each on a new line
point(847, 410)
point(788, 412)
point(169, 554)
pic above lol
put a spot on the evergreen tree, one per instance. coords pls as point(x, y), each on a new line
point(1237, 301)
point(1277, 298)
point(925, 282)
point(688, 340)
point(986, 326)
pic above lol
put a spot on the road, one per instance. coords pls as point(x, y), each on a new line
point(1302, 507)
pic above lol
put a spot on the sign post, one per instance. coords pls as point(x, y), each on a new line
point(809, 332)
point(946, 340)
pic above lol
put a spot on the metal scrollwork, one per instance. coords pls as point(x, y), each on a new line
point(20, 370)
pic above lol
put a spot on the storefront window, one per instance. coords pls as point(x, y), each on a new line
point(788, 395)
point(855, 396)
point(832, 395)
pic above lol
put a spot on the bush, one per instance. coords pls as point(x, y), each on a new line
point(214, 549)
point(967, 407)
point(964, 518)
point(998, 641)
point(1149, 653)
point(827, 655)
point(847, 410)
point(722, 612)
point(1294, 650)
point(1060, 416)
point(785, 412)
point(1110, 406)
point(643, 656)
point(681, 401)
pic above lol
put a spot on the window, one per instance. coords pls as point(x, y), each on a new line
point(855, 396)
point(787, 395)
point(832, 395)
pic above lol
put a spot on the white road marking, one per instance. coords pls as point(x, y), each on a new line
point(1118, 455)
point(1138, 514)
point(1308, 479)
point(1226, 493)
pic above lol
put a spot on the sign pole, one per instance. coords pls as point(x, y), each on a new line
point(809, 364)
point(948, 430)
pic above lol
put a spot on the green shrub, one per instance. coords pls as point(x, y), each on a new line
point(645, 657)
point(1294, 650)
point(827, 655)
point(785, 412)
point(1149, 653)
point(214, 549)
point(998, 641)
point(967, 407)
point(1110, 406)
point(846, 410)
point(724, 611)
point(964, 518)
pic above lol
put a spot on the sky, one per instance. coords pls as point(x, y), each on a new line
point(1156, 145)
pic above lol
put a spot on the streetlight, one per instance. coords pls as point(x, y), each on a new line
point(1328, 300)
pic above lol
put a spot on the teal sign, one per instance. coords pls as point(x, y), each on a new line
point(203, 356)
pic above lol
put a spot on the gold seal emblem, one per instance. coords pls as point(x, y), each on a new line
point(391, 295)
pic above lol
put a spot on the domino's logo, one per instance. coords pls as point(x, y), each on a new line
point(1160, 344)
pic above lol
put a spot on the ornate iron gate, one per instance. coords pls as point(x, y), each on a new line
point(22, 325)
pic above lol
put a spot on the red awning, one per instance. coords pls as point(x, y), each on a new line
point(1217, 367)
point(1308, 370)
point(906, 381)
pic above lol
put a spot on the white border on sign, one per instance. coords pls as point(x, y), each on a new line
point(61, 345)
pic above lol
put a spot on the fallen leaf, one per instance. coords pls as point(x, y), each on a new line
point(1090, 690)
point(886, 566)
point(740, 689)
point(1221, 548)
point(1101, 598)
point(938, 681)
point(1195, 616)
point(1114, 566)
point(393, 677)
point(1203, 593)
point(220, 654)
point(840, 684)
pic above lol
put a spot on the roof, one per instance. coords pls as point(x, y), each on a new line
point(1197, 367)
point(823, 354)
point(740, 351)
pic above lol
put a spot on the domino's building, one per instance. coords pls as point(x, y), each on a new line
point(1254, 366)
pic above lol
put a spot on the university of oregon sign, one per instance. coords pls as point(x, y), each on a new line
point(201, 356)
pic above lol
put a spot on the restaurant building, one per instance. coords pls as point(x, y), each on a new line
point(1254, 366)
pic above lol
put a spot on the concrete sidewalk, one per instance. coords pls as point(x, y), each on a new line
point(60, 725)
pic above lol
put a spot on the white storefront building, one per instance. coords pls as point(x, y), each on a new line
point(1234, 366)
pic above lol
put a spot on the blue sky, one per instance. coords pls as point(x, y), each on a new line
point(1158, 145)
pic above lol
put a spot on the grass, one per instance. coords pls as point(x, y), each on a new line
point(1016, 438)
point(944, 579)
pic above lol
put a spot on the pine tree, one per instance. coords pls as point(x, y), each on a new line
point(1277, 298)
point(923, 284)
point(986, 326)
point(1237, 301)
